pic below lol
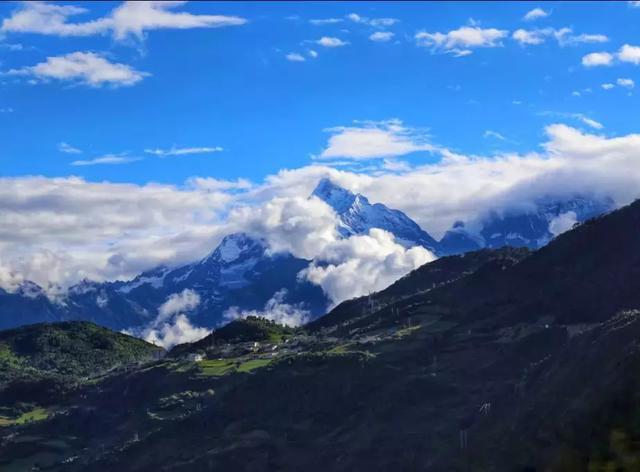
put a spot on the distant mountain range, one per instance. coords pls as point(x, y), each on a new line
point(242, 273)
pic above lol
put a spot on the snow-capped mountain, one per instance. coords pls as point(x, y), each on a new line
point(239, 272)
point(242, 273)
point(357, 216)
point(533, 227)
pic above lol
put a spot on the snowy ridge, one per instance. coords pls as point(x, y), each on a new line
point(357, 216)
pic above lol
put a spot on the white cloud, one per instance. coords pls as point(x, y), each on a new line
point(177, 331)
point(51, 19)
point(589, 122)
point(171, 326)
point(374, 140)
point(61, 230)
point(525, 37)
point(562, 223)
point(576, 116)
point(276, 309)
point(134, 18)
point(177, 303)
point(564, 37)
point(374, 22)
point(68, 149)
point(634, 4)
point(330, 42)
point(628, 53)
point(361, 264)
point(183, 151)
point(626, 83)
point(535, 14)
point(326, 21)
point(128, 19)
point(86, 68)
point(294, 224)
point(295, 57)
point(494, 134)
point(106, 159)
point(607, 86)
point(312, 53)
point(381, 36)
point(460, 42)
point(597, 59)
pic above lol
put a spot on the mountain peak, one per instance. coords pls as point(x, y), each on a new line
point(357, 215)
point(234, 245)
point(338, 198)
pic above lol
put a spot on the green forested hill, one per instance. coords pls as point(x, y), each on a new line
point(76, 348)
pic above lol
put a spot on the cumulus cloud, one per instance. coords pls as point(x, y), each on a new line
point(59, 231)
point(177, 303)
point(374, 140)
point(381, 36)
point(626, 83)
point(295, 57)
point(374, 22)
point(178, 331)
point(361, 264)
point(295, 224)
point(595, 59)
point(525, 37)
point(607, 86)
point(331, 42)
point(172, 326)
point(628, 53)
point(68, 148)
point(562, 223)
point(85, 68)
point(461, 41)
point(128, 19)
point(174, 151)
point(276, 309)
point(535, 14)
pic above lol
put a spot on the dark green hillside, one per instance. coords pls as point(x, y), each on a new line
point(585, 275)
point(428, 277)
point(75, 348)
point(243, 330)
point(495, 361)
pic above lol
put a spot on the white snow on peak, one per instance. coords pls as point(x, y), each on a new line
point(338, 198)
point(229, 250)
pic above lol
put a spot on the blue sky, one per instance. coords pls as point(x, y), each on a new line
point(232, 87)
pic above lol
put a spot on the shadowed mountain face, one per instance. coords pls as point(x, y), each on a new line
point(529, 227)
point(495, 360)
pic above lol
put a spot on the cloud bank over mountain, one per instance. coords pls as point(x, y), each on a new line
point(58, 231)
